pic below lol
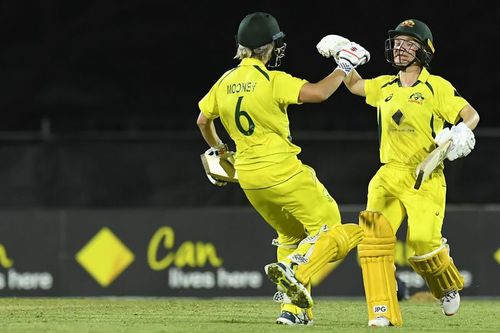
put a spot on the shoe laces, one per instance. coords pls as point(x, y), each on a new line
point(448, 297)
point(281, 297)
point(296, 318)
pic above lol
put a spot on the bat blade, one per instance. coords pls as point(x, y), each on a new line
point(219, 168)
point(431, 162)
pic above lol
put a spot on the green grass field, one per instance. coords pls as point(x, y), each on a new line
point(227, 315)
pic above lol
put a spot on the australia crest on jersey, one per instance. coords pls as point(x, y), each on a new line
point(416, 98)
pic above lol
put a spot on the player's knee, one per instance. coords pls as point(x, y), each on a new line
point(329, 217)
point(421, 248)
point(347, 236)
point(375, 224)
point(422, 243)
point(379, 239)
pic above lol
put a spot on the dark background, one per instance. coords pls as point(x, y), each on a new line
point(98, 99)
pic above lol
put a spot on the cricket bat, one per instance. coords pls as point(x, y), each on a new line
point(435, 157)
point(220, 168)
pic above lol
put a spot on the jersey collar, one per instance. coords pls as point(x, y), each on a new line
point(422, 77)
point(252, 62)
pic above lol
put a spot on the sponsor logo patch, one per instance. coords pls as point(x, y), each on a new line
point(380, 309)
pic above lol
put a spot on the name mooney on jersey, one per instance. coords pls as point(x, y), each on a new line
point(241, 87)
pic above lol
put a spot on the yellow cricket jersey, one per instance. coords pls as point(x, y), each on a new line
point(410, 117)
point(252, 102)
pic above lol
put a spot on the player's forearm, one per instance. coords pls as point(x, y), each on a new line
point(207, 129)
point(470, 117)
point(332, 82)
point(322, 90)
point(353, 83)
point(351, 79)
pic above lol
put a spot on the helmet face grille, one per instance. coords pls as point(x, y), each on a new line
point(422, 55)
point(418, 30)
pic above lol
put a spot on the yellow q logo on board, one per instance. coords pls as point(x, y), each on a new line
point(105, 257)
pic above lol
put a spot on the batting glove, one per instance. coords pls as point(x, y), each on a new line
point(463, 140)
point(330, 46)
point(443, 136)
point(351, 56)
point(216, 151)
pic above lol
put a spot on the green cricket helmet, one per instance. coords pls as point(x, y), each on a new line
point(258, 29)
point(418, 30)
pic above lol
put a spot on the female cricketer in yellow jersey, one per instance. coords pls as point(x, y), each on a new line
point(251, 102)
point(412, 108)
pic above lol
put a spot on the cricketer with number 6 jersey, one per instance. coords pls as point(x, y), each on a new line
point(252, 102)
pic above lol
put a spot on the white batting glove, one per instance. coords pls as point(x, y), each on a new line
point(351, 56)
point(330, 45)
point(443, 136)
point(220, 150)
point(463, 140)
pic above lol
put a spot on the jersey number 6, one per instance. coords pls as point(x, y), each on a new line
point(240, 113)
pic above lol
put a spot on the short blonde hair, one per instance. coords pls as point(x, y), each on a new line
point(263, 53)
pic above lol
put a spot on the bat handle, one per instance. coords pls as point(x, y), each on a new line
point(418, 182)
